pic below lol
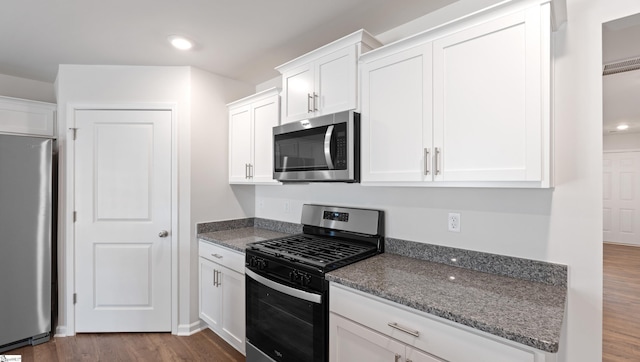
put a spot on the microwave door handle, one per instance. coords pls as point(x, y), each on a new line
point(327, 147)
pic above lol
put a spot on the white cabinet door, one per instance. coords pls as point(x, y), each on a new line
point(297, 93)
point(396, 117)
point(324, 86)
point(251, 122)
point(487, 100)
point(239, 144)
point(210, 294)
point(415, 355)
point(350, 342)
point(335, 81)
point(233, 307)
point(265, 117)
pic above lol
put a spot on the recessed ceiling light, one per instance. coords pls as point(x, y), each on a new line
point(180, 42)
point(622, 127)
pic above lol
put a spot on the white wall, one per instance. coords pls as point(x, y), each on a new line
point(26, 89)
point(104, 85)
point(203, 193)
point(621, 141)
point(562, 226)
point(212, 198)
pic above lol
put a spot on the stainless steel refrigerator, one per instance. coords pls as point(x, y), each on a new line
point(26, 231)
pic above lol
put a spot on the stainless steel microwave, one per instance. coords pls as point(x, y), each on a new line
point(324, 149)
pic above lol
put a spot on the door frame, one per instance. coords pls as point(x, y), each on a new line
point(67, 247)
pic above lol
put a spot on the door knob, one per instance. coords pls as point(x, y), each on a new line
point(163, 234)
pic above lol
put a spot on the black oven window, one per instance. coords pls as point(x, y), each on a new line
point(282, 326)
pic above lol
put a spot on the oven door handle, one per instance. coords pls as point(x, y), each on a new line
point(297, 293)
point(327, 147)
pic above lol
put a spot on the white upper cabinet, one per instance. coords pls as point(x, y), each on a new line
point(325, 80)
point(467, 104)
point(251, 121)
point(27, 117)
point(487, 105)
point(396, 116)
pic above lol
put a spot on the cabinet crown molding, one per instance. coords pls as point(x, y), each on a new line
point(254, 97)
point(360, 36)
point(506, 7)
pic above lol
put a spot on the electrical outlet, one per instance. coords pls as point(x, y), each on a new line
point(454, 222)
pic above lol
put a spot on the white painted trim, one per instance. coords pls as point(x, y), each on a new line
point(189, 329)
point(68, 246)
point(622, 151)
point(61, 331)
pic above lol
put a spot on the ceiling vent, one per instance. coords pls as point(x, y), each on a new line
point(620, 67)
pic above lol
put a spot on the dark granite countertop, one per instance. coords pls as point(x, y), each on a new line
point(237, 239)
point(523, 311)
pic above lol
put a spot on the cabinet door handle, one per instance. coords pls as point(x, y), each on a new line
point(215, 273)
point(404, 329)
point(397, 357)
point(250, 171)
point(436, 160)
point(309, 98)
point(246, 167)
point(315, 101)
point(426, 161)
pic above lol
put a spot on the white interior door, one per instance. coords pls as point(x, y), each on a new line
point(621, 197)
point(123, 204)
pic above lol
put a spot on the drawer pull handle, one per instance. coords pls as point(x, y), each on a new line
point(403, 329)
point(398, 357)
point(218, 256)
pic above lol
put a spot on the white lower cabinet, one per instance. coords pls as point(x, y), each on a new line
point(222, 293)
point(354, 342)
point(363, 327)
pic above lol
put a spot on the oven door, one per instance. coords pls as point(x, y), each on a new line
point(284, 324)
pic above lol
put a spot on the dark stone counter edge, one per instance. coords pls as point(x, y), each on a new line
point(273, 225)
point(533, 270)
point(543, 345)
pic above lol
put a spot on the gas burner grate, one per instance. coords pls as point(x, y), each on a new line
point(312, 249)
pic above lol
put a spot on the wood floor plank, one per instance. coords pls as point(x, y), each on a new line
point(621, 303)
point(202, 346)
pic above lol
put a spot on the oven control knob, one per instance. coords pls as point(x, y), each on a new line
point(261, 263)
point(294, 275)
point(252, 262)
point(306, 280)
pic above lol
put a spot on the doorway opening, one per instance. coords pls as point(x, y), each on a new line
point(621, 189)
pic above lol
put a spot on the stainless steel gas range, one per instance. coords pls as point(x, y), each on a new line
point(287, 294)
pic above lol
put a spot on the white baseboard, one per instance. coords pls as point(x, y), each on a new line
point(61, 331)
point(189, 329)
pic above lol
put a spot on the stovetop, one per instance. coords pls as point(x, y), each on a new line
point(324, 253)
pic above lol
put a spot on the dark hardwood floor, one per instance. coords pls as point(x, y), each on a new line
point(202, 346)
point(621, 304)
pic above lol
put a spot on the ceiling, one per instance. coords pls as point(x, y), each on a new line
point(621, 92)
point(239, 39)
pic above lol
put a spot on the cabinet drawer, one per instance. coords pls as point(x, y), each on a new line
point(426, 333)
point(224, 256)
